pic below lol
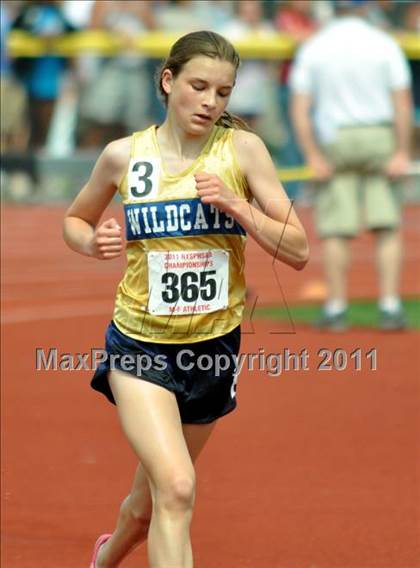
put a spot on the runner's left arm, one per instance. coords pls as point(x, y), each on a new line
point(275, 226)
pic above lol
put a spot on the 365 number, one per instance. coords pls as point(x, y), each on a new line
point(190, 287)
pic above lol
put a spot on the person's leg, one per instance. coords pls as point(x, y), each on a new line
point(132, 524)
point(388, 260)
point(338, 219)
point(41, 112)
point(136, 509)
point(196, 436)
point(336, 262)
point(336, 253)
point(337, 215)
point(150, 419)
point(383, 217)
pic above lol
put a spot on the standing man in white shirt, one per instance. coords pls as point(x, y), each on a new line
point(351, 109)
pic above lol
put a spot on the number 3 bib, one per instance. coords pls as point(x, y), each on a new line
point(182, 282)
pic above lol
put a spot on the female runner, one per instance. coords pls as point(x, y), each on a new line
point(187, 187)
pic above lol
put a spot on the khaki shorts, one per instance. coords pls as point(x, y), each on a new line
point(13, 107)
point(359, 196)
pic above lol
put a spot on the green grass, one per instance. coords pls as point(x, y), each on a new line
point(362, 313)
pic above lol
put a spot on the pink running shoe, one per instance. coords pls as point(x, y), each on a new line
point(101, 540)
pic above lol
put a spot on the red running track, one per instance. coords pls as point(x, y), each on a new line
point(315, 469)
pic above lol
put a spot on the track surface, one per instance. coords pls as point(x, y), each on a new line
point(315, 469)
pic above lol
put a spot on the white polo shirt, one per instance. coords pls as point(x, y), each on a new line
point(350, 69)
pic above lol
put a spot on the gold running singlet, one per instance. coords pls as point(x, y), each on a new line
point(184, 280)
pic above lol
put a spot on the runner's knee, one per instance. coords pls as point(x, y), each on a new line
point(176, 493)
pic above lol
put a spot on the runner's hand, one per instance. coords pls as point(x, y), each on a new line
point(213, 191)
point(106, 242)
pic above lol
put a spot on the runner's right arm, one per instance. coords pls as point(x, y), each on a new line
point(80, 230)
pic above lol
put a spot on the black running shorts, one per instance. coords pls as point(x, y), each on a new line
point(201, 375)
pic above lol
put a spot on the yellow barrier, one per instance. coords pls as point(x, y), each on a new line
point(304, 173)
point(157, 44)
point(299, 173)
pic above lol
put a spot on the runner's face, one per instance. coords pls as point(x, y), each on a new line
point(200, 93)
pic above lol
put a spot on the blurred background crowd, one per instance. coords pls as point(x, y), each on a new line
point(72, 106)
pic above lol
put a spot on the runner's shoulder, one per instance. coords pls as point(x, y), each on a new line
point(117, 152)
point(249, 148)
point(116, 156)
